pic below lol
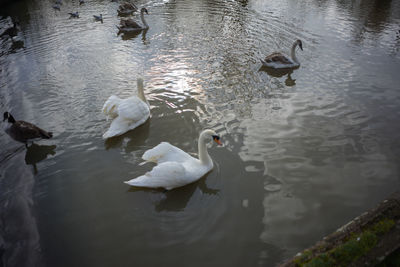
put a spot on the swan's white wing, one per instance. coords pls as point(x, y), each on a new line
point(166, 152)
point(168, 175)
point(110, 107)
point(133, 109)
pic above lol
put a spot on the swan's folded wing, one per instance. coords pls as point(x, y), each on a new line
point(166, 152)
point(133, 109)
point(168, 175)
point(278, 58)
point(130, 23)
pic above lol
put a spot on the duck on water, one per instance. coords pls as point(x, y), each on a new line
point(23, 131)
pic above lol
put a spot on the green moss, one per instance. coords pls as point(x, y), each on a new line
point(383, 226)
point(304, 257)
point(355, 247)
point(323, 260)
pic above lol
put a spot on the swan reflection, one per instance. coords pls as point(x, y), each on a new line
point(178, 198)
point(130, 140)
point(130, 35)
point(277, 73)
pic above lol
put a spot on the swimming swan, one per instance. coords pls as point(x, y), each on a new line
point(129, 25)
point(128, 113)
point(281, 61)
point(175, 167)
point(126, 8)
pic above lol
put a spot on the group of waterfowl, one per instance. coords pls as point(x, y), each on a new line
point(125, 9)
point(58, 3)
point(175, 167)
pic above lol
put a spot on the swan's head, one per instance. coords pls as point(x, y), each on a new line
point(144, 10)
point(212, 134)
point(300, 44)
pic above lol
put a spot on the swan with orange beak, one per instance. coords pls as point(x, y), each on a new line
point(175, 167)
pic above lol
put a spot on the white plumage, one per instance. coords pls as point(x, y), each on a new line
point(175, 167)
point(127, 114)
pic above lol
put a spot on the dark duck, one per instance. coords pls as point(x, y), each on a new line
point(23, 131)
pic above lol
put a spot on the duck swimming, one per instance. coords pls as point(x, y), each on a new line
point(23, 131)
point(74, 14)
point(281, 61)
point(98, 18)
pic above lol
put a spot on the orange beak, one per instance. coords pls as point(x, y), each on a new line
point(216, 139)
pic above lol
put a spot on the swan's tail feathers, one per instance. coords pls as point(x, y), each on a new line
point(110, 106)
point(140, 181)
point(147, 180)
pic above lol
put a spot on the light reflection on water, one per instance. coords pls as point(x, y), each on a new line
point(303, 151)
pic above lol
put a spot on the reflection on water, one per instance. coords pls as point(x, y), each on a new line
point(177, 200)
point(304, 150)
point(130, 140)
point(279, 73)
point(130, 35)
point(36, 153)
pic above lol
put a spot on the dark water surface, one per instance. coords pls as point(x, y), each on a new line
point(303, 153)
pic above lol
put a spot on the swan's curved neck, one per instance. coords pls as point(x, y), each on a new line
point(293, 53)
point(203, 154)
point(145, 26)
point(141, 91)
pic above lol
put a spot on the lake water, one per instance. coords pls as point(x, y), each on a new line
point(303, 152)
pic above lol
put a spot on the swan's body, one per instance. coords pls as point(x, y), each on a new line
point(128, 113)
point(282, 61)
point(175, 167)
point(126, 8)
point(129, 25)
point(23, 131)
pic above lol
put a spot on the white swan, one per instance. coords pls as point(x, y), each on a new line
point(281, 61)
point(128, 113)
point(129, 25)
point(175, 167)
